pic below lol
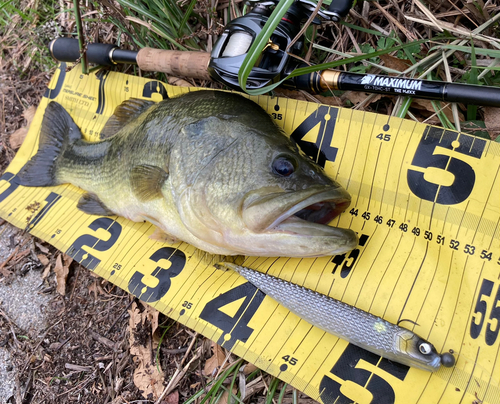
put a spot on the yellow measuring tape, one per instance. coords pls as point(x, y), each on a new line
point(425, 204)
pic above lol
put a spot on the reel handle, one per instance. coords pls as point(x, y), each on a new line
point(339, 9)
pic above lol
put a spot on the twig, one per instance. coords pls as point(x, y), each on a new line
point(37, 345)
point(2, 265)
point(454, 108)
point(74, 285)
point(178, 372)
point(120, 317)
point(81, 38)
point(11, 324)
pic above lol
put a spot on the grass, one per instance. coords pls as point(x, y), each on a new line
point(25, 30)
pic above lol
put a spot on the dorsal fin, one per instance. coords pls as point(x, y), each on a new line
point(124, 113)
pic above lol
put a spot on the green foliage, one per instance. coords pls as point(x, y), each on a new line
point(161, 24)
point(363, 68)
point(28, 29)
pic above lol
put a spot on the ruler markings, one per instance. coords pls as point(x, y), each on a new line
point(381, 248)
point(360, 257)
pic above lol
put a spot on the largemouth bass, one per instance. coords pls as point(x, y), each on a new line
point(348, 322)
point(209, 168)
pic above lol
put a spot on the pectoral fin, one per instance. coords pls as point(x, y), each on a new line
point(147, 181)
point(91, 204)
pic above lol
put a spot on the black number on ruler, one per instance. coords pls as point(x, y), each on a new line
point(485, 255)
point(291, 360)
point(347, 370)
point(320, 151)
point(51, 94)
point(102, 75)
point(385, 137)
point(152, 87)
point(88, 260)
point(14, 183)
point(236, 327)
point(480, 313)
point(136, 285)
point(425, 157)
point(51, 200)
point(348, 264)
point(469, 249)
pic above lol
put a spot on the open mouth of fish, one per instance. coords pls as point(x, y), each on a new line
point(306, 212)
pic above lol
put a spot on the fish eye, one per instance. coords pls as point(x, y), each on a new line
point(284, 166)
point(425, 348)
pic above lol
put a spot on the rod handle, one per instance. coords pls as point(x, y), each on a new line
point(177, 63)
point(68, 50)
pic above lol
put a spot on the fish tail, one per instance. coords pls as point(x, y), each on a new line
point(57, 132)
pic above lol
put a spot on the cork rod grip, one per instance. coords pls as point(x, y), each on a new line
point(177, 63)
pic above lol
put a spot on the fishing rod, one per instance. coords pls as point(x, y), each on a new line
point(276, 62)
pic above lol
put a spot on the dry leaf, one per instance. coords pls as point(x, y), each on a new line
point(42, 248)
point(17, 138)
point(358, 96)
point(249, 368)
point(286, 93)
point(61, 275)
point(330, 100)
point(492, 121)
point(151, 314)
point(147, 378)
point(225, 396)
point(96, 289)
point(426, 109)
point(172, 398)
point(213, 364)
point(67, 260)
point(43, 259)
point(46, 272)
point(395, 63)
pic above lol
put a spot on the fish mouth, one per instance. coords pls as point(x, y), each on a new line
point(304, 213)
